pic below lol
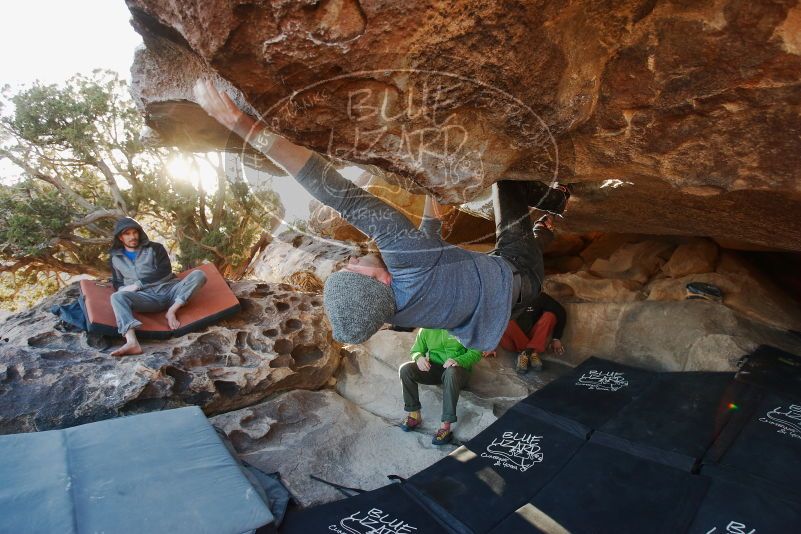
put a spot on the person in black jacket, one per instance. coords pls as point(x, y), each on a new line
point(143, 279)
point(539, 327)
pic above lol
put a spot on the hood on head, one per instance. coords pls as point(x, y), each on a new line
point(123, 224)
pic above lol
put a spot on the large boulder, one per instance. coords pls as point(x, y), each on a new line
point(320, 433)
point(695, 257)
point(293, 252)
point(54, 378)
point(588, 287)
point(665, 336)
point(745, 289)
point(669, 117)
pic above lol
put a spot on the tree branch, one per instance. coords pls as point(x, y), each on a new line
point(219, 198)
point(108, 174)
point(265, 239)
point(55, 181)
point(95, 216)
point(16, 266)
point(90, 240)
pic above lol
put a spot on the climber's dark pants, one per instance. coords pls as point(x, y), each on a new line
point(453, 379)
point(518, 241)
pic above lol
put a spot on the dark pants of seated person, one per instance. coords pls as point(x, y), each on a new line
point(453, 379)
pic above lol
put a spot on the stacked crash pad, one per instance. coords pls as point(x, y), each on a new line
point(608, 448)
point(211, 303)
point(158, 472)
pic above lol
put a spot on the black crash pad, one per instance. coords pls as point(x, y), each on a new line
point(604, 490)
point(763, 441)
point(591, 394)
point(677, 418)
point(497, 471)
point(744, 505)
point(387, 510)
point(774, 370)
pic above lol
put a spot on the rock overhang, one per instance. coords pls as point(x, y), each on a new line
point(671, 118)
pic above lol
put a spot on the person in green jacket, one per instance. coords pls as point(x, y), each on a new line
point(437, 358)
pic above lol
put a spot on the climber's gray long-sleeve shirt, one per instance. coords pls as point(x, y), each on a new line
point(436, 284)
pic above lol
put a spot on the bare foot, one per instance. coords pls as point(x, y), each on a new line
point(128, 349)
point(172, 320)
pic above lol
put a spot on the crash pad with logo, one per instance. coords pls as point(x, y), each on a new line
point(676, 418)
point(604, 490)
point(591, 394)
point(763, 441)
point(737, 504)
point(387, 510)
point(481, 483)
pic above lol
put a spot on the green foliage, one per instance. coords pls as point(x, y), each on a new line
point(80, 166)
point(30, 215)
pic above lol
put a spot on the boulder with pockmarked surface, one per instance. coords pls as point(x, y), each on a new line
point(55, 378)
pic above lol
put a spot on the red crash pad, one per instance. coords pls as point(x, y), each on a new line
point(212, 302)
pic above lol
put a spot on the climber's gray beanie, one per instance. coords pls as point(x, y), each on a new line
point(357, 305)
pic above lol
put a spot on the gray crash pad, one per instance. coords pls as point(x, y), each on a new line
point(158, 472)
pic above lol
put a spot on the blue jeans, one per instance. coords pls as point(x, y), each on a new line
point(153, 299)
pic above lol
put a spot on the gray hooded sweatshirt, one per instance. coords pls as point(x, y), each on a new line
point(436, 284)
point(151, 267)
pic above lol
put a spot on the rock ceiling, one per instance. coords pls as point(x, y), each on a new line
point(670, 117)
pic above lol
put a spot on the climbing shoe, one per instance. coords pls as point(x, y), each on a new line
point(442, 437)
point(546, 198)
point(534, 362)
point(546, 221)
point(522, 362)
point(410, 423)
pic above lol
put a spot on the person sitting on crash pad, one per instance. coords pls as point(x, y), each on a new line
point(539, 327)
point(427, 282)
point(143, 279)
point(437, 358)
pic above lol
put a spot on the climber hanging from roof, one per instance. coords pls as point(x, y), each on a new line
point(423, 281)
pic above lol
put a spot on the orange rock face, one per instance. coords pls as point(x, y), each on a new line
point(676, 117)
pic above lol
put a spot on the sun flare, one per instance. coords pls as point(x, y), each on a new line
point(194, 170)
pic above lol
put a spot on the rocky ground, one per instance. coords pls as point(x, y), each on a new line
point(290, 399)
point(294, 401)
point(349, 434)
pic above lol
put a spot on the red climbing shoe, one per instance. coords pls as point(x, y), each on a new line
point(410, 423)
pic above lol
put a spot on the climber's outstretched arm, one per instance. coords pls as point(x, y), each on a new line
point(219, 105)
point(390, 229)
